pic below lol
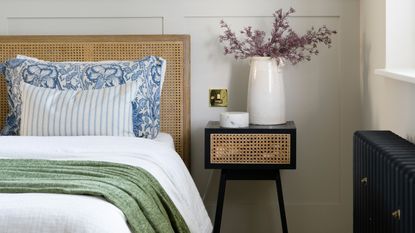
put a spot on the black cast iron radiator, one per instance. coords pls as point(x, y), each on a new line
point(384, 183)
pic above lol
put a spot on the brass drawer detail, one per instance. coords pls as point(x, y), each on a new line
point(250, 148)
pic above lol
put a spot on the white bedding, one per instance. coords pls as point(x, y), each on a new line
point(59, 213)
point(165, 138)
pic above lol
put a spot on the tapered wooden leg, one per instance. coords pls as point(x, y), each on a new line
point(219, 203)
point(281, 203)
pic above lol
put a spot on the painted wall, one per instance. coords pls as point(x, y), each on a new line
point(322, 95)
point(400, 46)
point(387, 104)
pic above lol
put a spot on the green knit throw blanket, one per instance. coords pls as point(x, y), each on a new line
point(137, 193)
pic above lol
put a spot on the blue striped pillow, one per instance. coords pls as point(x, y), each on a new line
point(100, 112)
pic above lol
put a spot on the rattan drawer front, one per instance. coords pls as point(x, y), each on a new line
point(250, 148)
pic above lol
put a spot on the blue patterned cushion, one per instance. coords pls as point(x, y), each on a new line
point(2, 68)
point(86, 76)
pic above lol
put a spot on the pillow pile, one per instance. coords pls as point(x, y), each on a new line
point(77, 76)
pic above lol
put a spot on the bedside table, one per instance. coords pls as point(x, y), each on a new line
point(257, 152)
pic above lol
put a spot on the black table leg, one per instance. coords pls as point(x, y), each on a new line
point(219, 203)
point(281, 203)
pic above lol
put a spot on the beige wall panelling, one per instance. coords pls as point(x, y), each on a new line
point(320, 95)
point(84, 25)
point(325, 90)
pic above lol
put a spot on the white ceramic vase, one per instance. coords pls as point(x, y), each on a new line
point(266, 97)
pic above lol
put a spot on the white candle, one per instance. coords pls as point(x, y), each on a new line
point(234, 119)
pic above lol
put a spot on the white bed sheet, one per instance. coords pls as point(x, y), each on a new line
point(58, 213)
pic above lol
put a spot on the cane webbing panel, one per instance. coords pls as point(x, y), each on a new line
point(175, 117)
point(250, 148)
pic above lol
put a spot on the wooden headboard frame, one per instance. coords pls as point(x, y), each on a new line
point(175, 103)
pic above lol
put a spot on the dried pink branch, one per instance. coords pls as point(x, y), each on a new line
point(283, 43)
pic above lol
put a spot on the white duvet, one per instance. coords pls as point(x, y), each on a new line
point(62, 213)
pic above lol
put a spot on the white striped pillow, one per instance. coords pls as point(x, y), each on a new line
point(99, 112)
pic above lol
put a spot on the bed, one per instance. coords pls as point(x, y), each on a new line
point(166, 157)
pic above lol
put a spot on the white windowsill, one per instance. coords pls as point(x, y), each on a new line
point(405, 75)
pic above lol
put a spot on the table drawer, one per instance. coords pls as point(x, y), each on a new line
point(250, 148)
point(253, 147)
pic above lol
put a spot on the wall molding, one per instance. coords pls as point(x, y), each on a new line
point(84, 25)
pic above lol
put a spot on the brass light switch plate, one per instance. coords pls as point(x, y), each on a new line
point(218, 97)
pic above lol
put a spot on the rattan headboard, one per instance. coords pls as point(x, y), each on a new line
point(175, 104)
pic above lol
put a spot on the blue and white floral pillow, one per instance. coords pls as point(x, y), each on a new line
point(2, 68)
point(87, 76)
